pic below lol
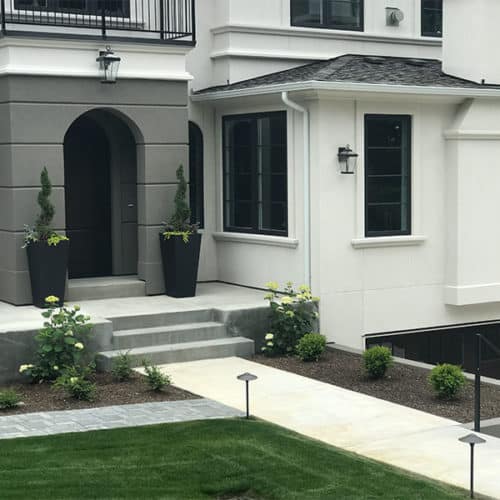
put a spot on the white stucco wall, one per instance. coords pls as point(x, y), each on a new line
point(383, 288)
point(372, 285)
point(472, 39)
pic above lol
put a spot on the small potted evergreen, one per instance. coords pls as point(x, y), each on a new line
point(47, 250)
point(180, 246)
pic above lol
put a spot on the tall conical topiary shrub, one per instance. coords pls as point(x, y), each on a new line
point(43, 224)
point(179, 223)
point(180, 220)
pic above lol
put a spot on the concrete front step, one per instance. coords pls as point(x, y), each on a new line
point(105, 288)
point(143, 321)
point(185, 351)
point(161, 335)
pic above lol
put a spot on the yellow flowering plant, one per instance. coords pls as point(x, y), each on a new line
point(61, 342)
point(294, 313)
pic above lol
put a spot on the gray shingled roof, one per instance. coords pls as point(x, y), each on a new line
point(360, 69)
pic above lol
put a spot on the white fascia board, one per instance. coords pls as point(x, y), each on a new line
point(297, 31)
point(348, 87)
point(77, 58)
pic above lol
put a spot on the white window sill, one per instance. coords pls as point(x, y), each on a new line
point(257, 239)
point(388, 241)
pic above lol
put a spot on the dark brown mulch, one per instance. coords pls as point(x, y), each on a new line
point(42, 397)
point(405, 385)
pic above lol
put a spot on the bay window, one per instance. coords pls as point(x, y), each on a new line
point(255, 173)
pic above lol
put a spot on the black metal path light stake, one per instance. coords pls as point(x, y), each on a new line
point(247, 378)
point(472, 440)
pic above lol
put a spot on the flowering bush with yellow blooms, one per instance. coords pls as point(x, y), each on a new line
point(61, 342)
point(293, 314)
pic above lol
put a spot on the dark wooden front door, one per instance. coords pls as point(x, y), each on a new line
point(88, 199)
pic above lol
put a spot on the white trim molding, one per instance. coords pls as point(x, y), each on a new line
point(296, 31)
point(389, 241)
point(472, 294)
point(472, 135)
point(256, 239)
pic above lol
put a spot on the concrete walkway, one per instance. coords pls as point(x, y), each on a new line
point(111, 417)
point(406, 438)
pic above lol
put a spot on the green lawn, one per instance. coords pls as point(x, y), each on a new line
point(198, 460)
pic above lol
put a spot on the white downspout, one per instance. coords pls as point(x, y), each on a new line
point(307, 183)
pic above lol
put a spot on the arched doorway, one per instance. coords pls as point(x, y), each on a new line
point(100, 170)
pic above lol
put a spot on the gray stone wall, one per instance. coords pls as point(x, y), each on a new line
point(36, 112)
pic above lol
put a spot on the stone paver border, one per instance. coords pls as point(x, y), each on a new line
point(111, 417)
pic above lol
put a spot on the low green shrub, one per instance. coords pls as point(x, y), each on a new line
point(377, 360)
point(75, 381)
point(9, 398)
point(311, 346)
point(122, 367)
point(155, 378)
point(447, 380)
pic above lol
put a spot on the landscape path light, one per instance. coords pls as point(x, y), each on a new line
point(247, 378)
point(472, 440)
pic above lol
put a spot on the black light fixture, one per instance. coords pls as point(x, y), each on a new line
point(247, 378)
point(347, 159)
point(109, 64)
point(472, 440)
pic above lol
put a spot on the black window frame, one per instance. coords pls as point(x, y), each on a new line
point(361, 27)
point(409, 145)
point(433, 34)
point(254, 179)
point(196, 175)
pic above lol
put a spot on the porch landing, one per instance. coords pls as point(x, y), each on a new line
point(218, 296)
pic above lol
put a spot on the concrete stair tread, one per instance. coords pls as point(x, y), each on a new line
point(161, 319)
point(137, 351)
point(167, 328)
point(105, 288)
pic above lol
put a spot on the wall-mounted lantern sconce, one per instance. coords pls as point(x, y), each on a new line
point(108, 64)
point(347, 159)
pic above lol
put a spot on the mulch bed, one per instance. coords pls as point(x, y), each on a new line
point(405, 385)
point(42, 397)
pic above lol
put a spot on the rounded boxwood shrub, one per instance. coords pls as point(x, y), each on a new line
point(377, 361)
point(311, 346)
point(447, 380)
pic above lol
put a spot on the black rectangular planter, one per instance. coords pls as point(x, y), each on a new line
point(48, 266)
point(180, 264)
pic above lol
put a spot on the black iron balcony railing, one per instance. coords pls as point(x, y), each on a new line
point(171, 21)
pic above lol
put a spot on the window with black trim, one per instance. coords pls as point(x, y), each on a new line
point(255, 173)
point(331, 14)
point(387, 175)
point(196, 183)
point(432, 18)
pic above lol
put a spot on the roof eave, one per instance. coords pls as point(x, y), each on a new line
point(347, 87)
